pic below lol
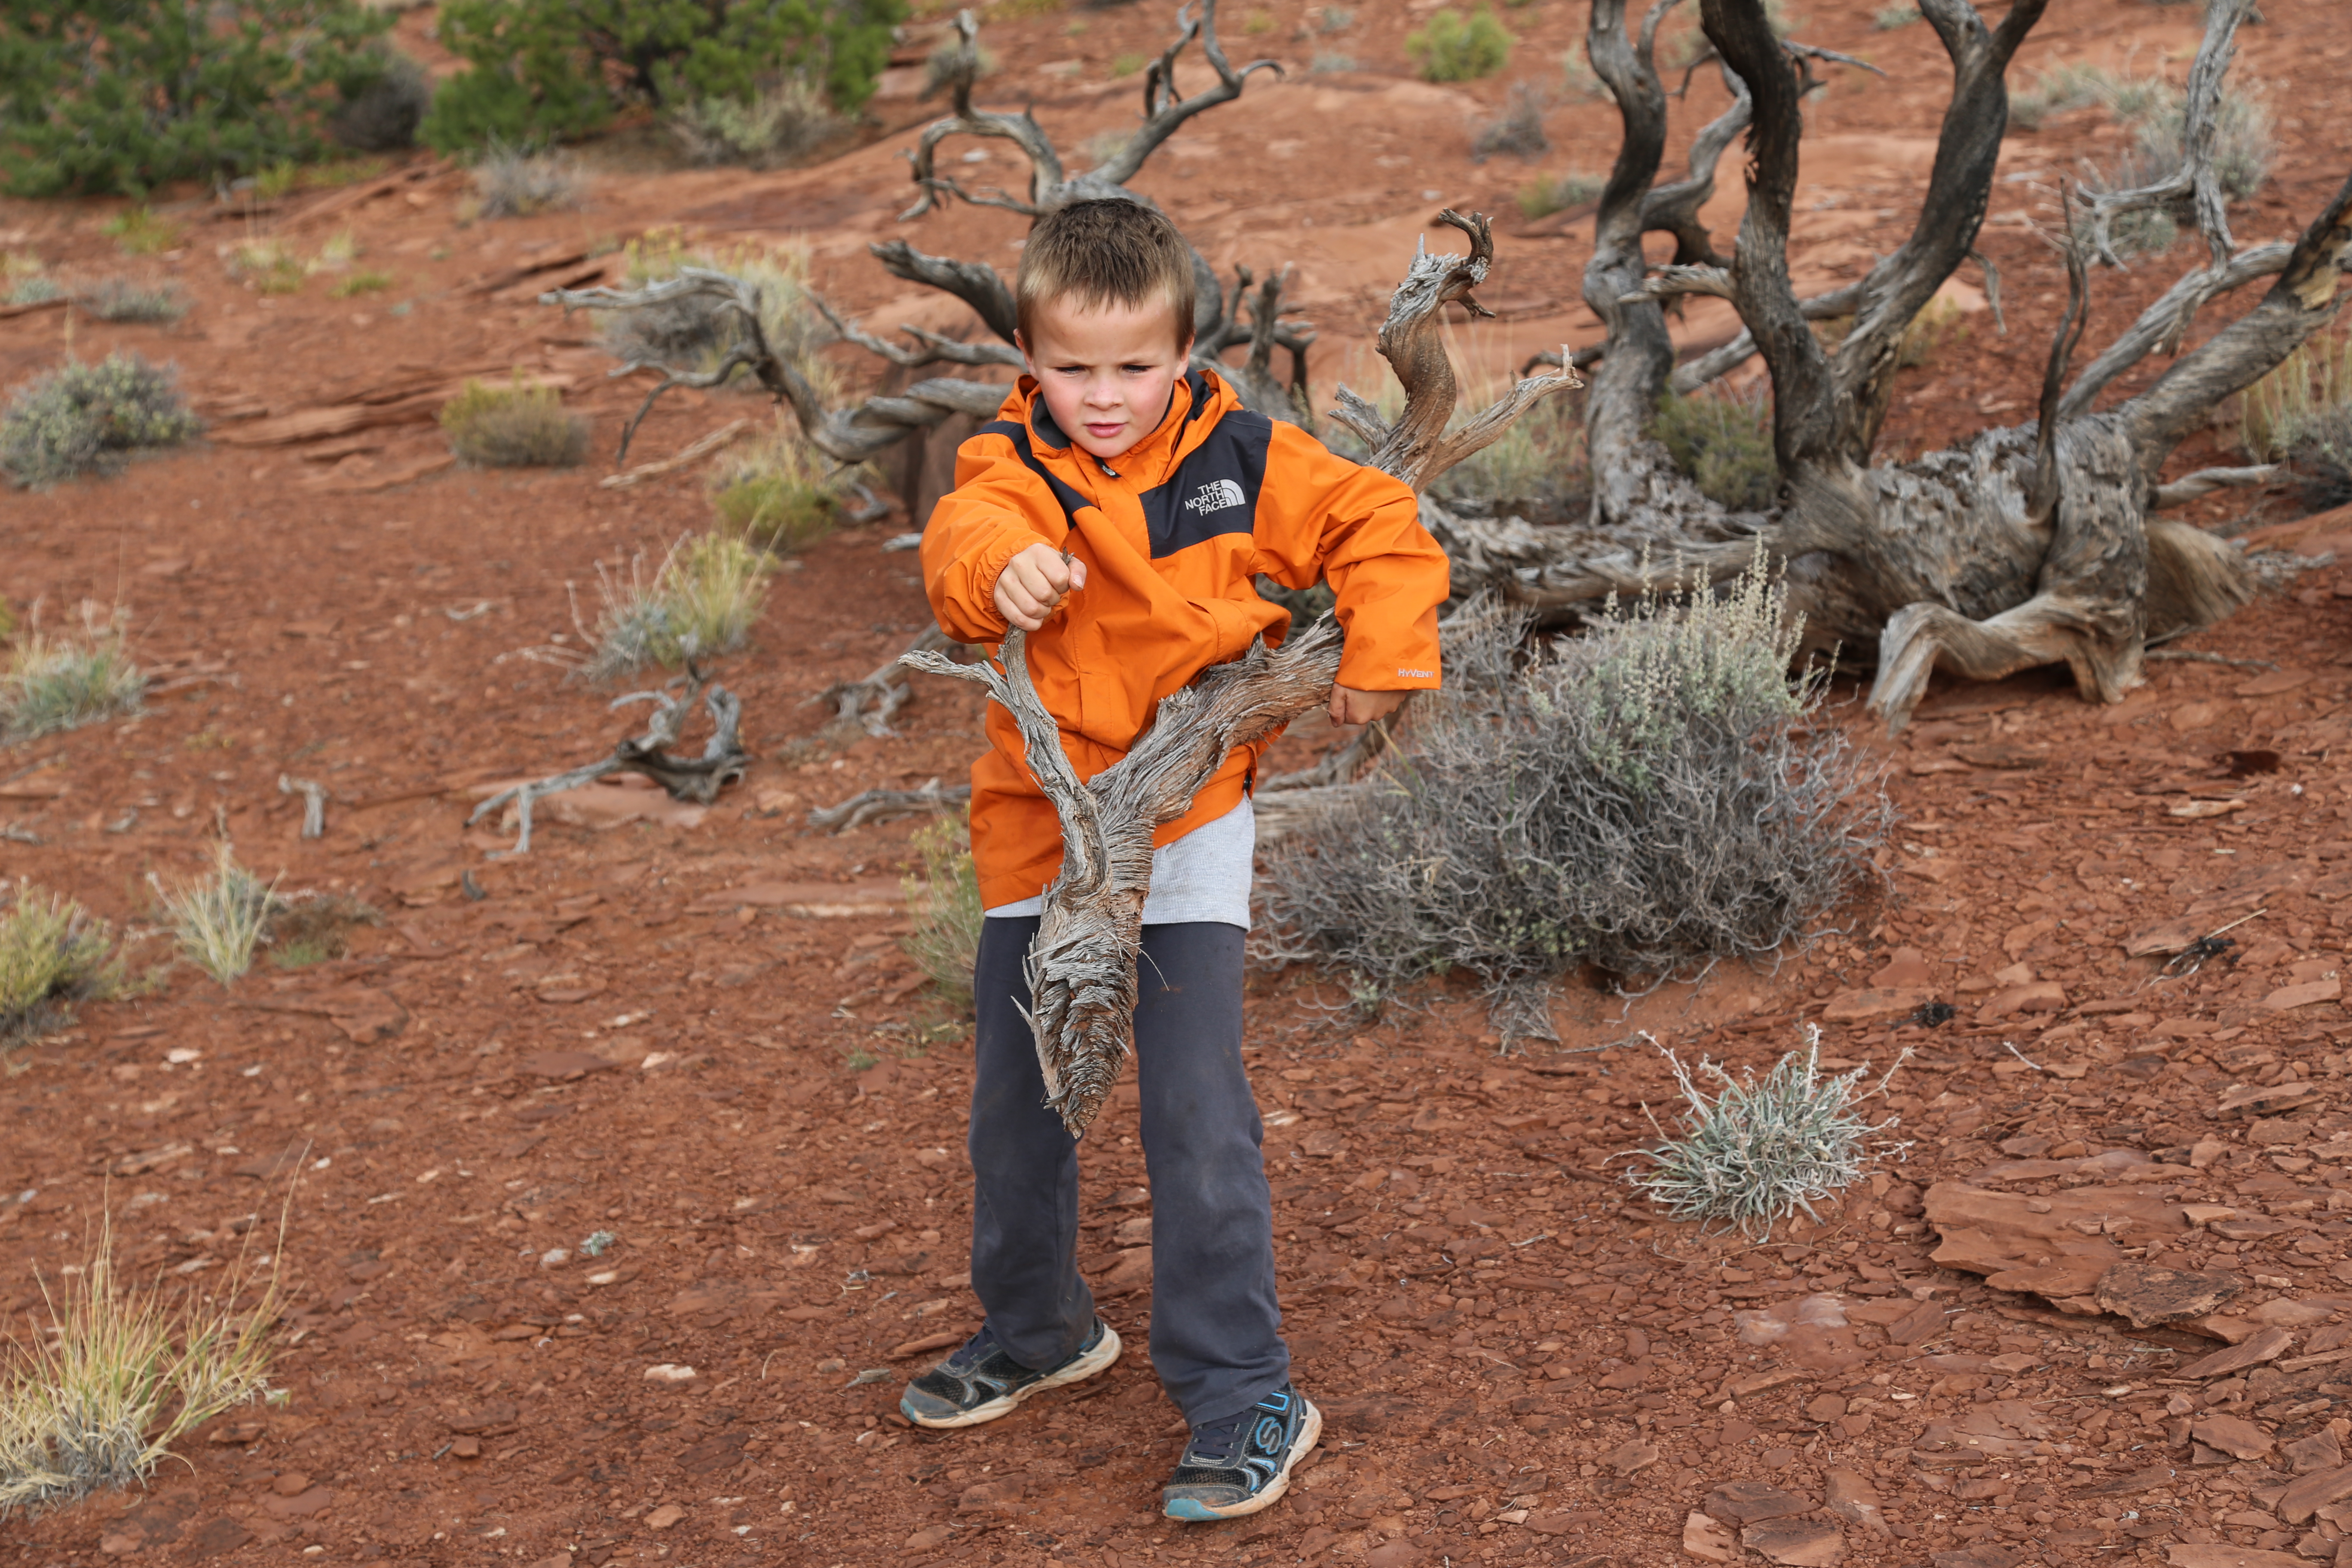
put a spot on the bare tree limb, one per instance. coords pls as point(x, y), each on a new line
point(2163, 322)
point(2194, 184)
point(1674, 209)
point(866, 707)
point(1718, 363)
point(882, 804)
point(931, 349)
point(1022, 130)
point(2205, 481)
point(1164, 111)
point(975, 283)
point(699, 779)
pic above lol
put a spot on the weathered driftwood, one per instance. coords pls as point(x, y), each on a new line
point(1081, 968)
point(882, 804)
point(2026, 545)
point(697, 779)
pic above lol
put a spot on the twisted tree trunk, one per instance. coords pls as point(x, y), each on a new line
point(2028, 545)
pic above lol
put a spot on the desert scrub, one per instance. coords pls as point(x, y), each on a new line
point(2301, 413)
point(83, 419)
point(1939, 320)
point(549, 70)
point(140, 232)
point(54, 683)
point(309, 928)
point(510, 182)
point(1518, 130)
point(943, 904)
point(134, 94)
point(122, 300)
point(1723, 440)
point(781, 124)
point(1762, 1150)
point(704, 598)
point(268, 266)
point(218, 921)
point(1549, 194)
point(53, 953)
point(123, 1375)
point(1449, 48)
point(1648, 798)
point(1535, 469)
point(383, 98)
point(518, 425)
point(782, 495)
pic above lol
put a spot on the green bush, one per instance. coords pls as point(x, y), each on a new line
point(62, 683)
point(543, 70)
point(124, 95)
point(1549, 194)
point(384, 99)
point(1724, 442)
point(515, 426)
point(782, 495)
point(1451, 49)
point(80, 418)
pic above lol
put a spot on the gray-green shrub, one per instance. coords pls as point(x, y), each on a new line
point(1649, 798)
point(1449, 48)
point(81, 418)
point(1723, 440)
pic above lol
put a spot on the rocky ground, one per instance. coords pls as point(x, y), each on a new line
point(694, 1032)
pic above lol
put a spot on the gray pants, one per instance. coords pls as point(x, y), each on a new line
point(1216, 1338)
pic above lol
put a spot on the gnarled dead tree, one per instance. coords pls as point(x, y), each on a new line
point(697, 779)
point(2032, 544)
point(1081, 967)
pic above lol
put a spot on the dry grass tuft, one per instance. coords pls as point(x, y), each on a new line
point(509, 183)
point(781, 494)
point(944, 904)
point(62, 683)
point(53, 953)
point(704, 598)
point(1723, 439)
point(219, 920)
point(514, 426)
point(782, 125)
point(1763, 1149)
point(99, 1402)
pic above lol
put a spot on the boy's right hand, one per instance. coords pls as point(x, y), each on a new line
point(1034, 582)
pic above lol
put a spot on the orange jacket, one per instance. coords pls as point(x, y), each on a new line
point(1171, 532)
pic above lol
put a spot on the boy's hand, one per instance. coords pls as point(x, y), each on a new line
point(1349, 706)
point(1033, 584)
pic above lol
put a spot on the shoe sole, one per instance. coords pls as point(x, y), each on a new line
point(1077, 1369)
point(1311, 1432)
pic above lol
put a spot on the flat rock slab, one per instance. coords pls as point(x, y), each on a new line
point(1799, 1543)
point(1752, 1502)
point(2057, 1247)
point(2267, 1345)
point(2186, 1554)
point(1709, 1540)
point(2306, 1495)
point(1878, 1004)
point(2234, 1436)
point(2151, 1296)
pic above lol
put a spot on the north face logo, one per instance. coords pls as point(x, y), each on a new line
point(1217, 495)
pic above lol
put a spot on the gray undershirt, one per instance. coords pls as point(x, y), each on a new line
point(1203, 876)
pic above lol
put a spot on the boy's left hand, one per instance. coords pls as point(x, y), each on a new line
point(1349, 706)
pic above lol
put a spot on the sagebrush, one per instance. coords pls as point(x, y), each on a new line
point(1649, 798)
point(1549, 194)
point(697, 334)
point(53, 953)
point(514, 426)
point(1518, 130)
point(943, 904)
point(126, 300)
point(511, 182)
point(83, 419)
point(1762, 1150)
point(780, 124)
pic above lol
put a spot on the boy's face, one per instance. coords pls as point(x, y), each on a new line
point(1107, 374)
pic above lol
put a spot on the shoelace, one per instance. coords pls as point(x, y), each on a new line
point(1218, 1445)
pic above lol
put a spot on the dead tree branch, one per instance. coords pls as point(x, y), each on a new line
point(846, 435)
point(2162, 325)
point(866, 707)
point(2194, 185)
point(2205, 481)
point(1082, 966)
point(883, 805)
point(697, 779)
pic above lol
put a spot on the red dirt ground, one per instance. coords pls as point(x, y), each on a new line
point(1522, 1365)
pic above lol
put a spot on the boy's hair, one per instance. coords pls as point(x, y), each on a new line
point(1106, 252)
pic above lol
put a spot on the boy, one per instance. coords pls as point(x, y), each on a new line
point(1168, 498)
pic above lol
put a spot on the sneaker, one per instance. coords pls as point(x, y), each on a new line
point(1243, 1463)
point(980, 1382)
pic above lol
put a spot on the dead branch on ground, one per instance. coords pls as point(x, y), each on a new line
point(697, 779)
point(883, 805)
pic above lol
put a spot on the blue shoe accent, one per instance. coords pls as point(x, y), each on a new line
point(1243, 1463)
